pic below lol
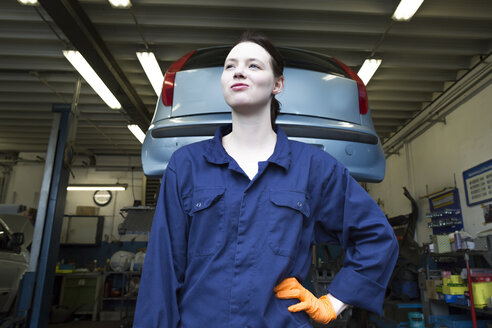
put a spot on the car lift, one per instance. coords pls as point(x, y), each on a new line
point(36, 289)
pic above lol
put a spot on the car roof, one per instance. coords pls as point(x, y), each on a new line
point(293, 57)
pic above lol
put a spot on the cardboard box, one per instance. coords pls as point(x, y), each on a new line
point(431, 288)
point(87, 210)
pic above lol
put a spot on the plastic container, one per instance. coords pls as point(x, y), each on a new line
point(456, 279)
point(121, 260)
point(416, 320)
point(455, 289)
point(139, 261)
point(450, 298)
point(481, 292)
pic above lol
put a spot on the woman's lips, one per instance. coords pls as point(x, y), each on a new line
point(239, 86)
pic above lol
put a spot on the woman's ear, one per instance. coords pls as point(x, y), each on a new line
point(279, 85)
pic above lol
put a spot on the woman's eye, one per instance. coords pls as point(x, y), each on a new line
point(228, 66)
point(254, 66)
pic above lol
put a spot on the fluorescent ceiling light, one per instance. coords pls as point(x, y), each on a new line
point(152, 70)
point(120, 3)
point(29, 2)
point(85, 187)
point(368, 69)
point(137, 132)
point(406, 9)
point(82, 66)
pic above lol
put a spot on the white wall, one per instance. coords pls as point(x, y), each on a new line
point(435, 159)
point(111, 212)
point(25, 185)
point(25, 181)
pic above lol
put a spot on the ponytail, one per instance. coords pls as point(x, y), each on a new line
point(274, 110)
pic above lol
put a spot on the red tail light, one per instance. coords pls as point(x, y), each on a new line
point(168, 85)
point(361, 88)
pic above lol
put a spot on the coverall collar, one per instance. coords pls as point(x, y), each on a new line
point(217, 155)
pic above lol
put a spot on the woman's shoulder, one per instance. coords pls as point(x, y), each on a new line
point(193, 149)
point(311, 152)
point(317, 164)
point(189, 153)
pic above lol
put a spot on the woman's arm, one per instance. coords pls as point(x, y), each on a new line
point(346, 214)
point(165, 260)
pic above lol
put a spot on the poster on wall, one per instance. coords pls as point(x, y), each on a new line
point(478, 183)
point(445, 212)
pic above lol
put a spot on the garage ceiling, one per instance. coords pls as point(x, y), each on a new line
point(420, 58)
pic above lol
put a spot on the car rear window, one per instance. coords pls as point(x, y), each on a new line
point(295, 58)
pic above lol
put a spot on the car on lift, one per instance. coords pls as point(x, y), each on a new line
point(16, 233)
point(323, 103)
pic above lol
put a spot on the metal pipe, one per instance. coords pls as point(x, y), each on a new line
point(472, 302)
point(474, 81)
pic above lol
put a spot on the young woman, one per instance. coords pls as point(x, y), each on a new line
point(237, 216)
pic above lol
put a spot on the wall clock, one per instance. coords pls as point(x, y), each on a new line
point(102, 197)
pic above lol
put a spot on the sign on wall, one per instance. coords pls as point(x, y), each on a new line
point(478, 183)
point(445, 212)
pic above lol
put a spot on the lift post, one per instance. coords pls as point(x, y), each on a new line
point(37, 284)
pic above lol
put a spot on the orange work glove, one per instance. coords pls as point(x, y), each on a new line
point(320, 309)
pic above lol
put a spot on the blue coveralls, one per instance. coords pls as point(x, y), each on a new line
point(220, 242)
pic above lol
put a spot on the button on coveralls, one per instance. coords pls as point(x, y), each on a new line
point(221, 242)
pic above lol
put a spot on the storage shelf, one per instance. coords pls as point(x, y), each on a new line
point(486, 311)
point(129, 273)
point(125, 305)
point(458, 254)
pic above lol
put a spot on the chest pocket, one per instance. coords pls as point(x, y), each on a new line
point(287, 213)
point(207, 221)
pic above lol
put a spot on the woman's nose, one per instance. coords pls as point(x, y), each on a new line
point(239, 72)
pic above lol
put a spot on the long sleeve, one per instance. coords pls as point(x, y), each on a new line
point(349, 216)
point(165, 260)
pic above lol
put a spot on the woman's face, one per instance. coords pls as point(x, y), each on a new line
point(247, 79)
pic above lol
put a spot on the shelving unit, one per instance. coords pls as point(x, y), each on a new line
point(122, 306)
point(458, 253)
point(484, 312)
point(399, 317)
point(80, 291)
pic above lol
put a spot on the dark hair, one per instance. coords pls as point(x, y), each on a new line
point(276, 61)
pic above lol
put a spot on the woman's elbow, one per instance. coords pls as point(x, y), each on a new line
point(393, 247)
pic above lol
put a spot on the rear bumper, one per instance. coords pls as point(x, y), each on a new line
point(355, 146)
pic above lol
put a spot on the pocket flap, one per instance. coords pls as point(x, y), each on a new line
point(295, 200)
point(204, 198)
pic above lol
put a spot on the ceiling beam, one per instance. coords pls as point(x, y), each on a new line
point(369, 7)
point(72, 20)
point(49, 98)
